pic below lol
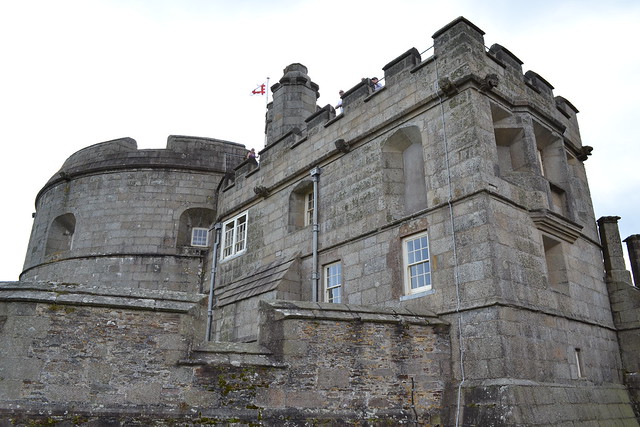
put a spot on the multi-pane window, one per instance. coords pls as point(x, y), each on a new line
point(333, 282)
point(416, 263)
point(308, 208)
point(199, 236)
point(234, 236)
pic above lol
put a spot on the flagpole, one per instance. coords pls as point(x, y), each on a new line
point(267, 108)
point(267, 99)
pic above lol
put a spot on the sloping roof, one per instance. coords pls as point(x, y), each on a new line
point(265, 279)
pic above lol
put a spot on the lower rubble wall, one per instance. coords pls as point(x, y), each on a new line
point(79, 358)
point(71, 356)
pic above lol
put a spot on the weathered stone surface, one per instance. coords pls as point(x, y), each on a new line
point(108, 321)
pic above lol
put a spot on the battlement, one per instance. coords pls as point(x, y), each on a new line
point(182, 152)
point(412, 82)
point(460, 67)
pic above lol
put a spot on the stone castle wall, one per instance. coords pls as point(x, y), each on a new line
point(127, 362)
point(502, 164)
point(516, 329)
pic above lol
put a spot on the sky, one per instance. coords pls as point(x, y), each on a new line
point(78, 72)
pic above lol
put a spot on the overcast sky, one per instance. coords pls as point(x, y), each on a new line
point(76, 73)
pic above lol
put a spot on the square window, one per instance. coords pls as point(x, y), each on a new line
point(416, 264)
point(234, 236)
point(200, 236)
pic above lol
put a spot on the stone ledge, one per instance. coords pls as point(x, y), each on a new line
point(345, 312)
point(86, 295)
point(230, 359)
point(231, 347)
point(230, 354)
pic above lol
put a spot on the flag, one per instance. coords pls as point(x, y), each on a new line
point(260, 90)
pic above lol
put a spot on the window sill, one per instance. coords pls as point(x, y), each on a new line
point(230, 257)
point(417, 295)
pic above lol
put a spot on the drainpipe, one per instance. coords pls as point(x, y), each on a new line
point(315, 176)
point(214, 267)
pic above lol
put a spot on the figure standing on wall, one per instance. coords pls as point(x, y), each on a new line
point(252, 155)
point(375, 84)
point(339, 104)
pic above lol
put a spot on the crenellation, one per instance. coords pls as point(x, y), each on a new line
point(506, 58)
point(406, 61)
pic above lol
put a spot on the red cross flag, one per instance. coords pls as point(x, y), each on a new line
point(260, 90)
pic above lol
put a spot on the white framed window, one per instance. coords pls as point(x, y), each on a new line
point(199, 236)
point(417, 268)
point(308, 208)
point(333, 282)
point(234, 236)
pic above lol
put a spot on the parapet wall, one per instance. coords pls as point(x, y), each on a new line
point(459, 56)
point(129, 360)
point(182, 152)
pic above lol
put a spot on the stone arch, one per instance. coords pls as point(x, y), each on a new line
point(61, 232)
point(403, 172)
point(298, 204)
point(193, 218)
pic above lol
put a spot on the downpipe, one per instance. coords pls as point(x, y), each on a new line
point(214, 267)
point(315, 176)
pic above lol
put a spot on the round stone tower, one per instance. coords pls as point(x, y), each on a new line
point(122, 217)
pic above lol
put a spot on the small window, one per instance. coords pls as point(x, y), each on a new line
point(579, 366)
point(416, 264)
point(308, 212)
point(191, 219)
point(234, 236)
point(333, 282)
point(301, 205)
point(540, 161)
point(199, 237)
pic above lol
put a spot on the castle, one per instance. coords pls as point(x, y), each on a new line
point(428, 255)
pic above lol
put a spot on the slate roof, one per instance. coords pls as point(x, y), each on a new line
point(265, 279)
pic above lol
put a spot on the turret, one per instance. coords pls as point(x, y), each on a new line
point(294, 99)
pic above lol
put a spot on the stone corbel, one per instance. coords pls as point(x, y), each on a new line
point(489, 82)
point(261, 191)
point(584, 153)
point(447, 86)
point(342, 145)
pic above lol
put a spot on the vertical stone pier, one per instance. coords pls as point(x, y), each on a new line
point(625, 301)
point(633, 248)
point(614, 265)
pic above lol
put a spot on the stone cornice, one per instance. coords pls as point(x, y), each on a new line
point(69, 294)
